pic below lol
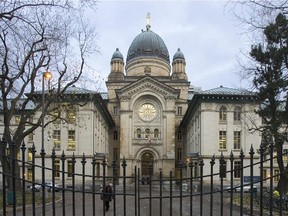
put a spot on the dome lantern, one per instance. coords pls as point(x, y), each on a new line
point(179, 66)
point(117, 66)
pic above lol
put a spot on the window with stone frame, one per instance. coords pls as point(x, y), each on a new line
point(29, 155)
point(115, 110)
point(147, 133)
point(57, 139)
point(237, 169)
point(56, 114)
point(237, 140)
point(223, 114)
point(179, 110)
point(179, 136)
point(223, 169)
point(156, 133)
point(71, 139)
point(237, 114)
point(69, 168)
point(17, 119)
point(138, 133)
point(29, 174)
point(71, 114)
point(57, 168)
point(30, 137)
point(222, 140)
point(115, 135)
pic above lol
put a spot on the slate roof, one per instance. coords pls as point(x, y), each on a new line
point(226, 91)
point(77, 90)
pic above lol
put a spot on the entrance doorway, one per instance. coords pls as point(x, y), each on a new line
point(146, 159)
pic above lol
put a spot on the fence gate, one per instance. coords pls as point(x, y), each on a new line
point(144, 193)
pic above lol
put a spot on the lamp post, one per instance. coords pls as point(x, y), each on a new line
point(45, 75)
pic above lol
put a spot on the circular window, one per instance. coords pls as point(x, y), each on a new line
point(147, 112)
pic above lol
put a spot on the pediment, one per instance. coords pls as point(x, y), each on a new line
point(147, 83)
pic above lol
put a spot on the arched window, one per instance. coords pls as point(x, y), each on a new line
point(156, 133)
point(138, 133)
point(237, 113)
point(147, 133)
point(223, 114)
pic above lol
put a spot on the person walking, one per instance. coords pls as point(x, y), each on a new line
point(107, 195)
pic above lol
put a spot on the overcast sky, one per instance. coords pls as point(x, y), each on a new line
point(206, 32)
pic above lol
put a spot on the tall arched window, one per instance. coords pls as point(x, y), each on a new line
point(223, 114)
point(156, 133)
point(237, 114)
point(138, 133)
point(147, 133)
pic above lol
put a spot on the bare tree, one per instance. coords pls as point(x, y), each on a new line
point(38, 36)
point(257, 14)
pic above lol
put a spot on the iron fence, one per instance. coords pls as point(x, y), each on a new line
point(134, 195)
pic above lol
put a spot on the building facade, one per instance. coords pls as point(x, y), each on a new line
point(218, 124)
point(147, 102)
point(150, 115)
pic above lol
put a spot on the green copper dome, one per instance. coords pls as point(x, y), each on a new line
point(178, 55)
point(117, 55)
point(148, 44)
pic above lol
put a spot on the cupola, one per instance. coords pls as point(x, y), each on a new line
point(179, 66)
point(117, 66)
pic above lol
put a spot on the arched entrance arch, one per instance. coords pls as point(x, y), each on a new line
point(146, 159)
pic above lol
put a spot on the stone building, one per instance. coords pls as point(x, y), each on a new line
point(150, 115)
point(218, 123)
point(147, 103)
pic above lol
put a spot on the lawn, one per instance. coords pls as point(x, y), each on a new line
point(28, 198)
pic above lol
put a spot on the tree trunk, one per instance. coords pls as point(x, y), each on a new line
point(282, 185)
point(10, 167)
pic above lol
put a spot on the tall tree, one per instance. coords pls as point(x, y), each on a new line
point(38, 36)
point(271, 83)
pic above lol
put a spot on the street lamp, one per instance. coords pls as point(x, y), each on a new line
point(45, 75)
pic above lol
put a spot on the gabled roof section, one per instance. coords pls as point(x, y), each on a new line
point(145, 83)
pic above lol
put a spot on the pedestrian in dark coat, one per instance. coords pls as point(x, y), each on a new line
point(107, 196)
point(148, 179)
point(143, 180)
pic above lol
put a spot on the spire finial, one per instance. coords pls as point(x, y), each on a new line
point(148, 21)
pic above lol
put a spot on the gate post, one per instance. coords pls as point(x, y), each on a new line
point(212, 163)
point(251, 179)
point(4, 146)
